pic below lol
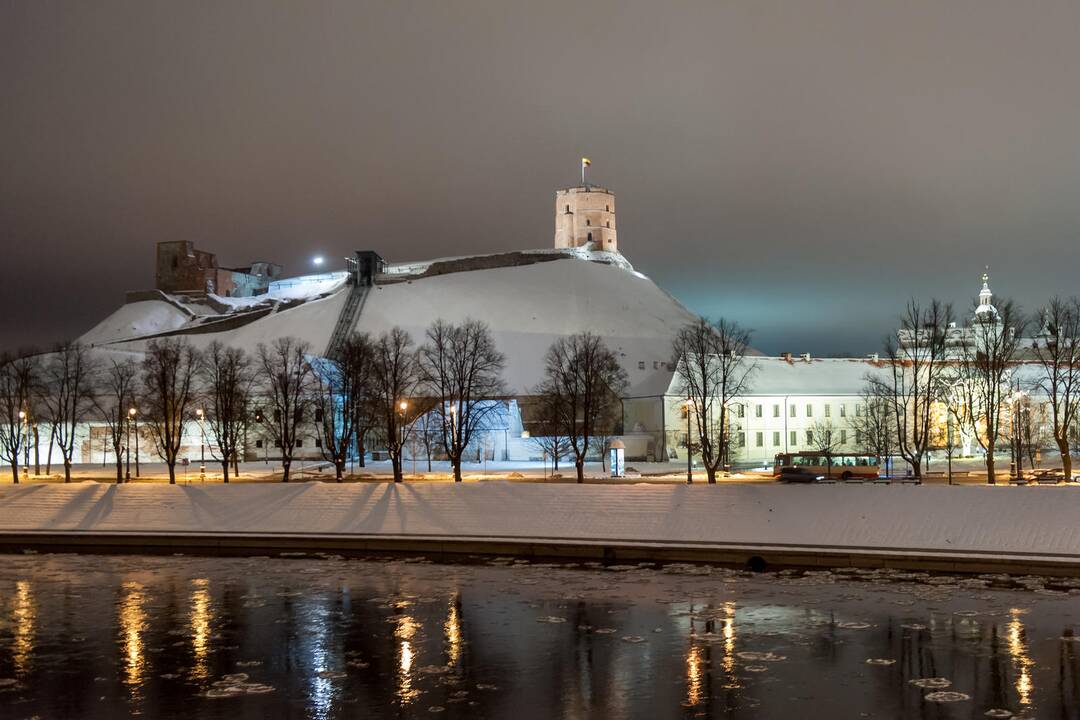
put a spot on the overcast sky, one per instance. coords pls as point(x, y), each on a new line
point(801, 167)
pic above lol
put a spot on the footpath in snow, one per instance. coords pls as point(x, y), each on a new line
point(1022, 524)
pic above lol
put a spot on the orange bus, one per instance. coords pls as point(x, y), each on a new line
point(844, 466)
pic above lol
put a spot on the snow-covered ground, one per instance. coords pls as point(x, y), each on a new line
point(932, 520)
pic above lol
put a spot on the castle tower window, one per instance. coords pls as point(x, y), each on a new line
point(567, 208)
point(588, 222)
point(590, 237)
point(607, 208)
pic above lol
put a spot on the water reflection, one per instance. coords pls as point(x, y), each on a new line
point(694, 665)
point(25, 615)
point(405, 629)
point(452, 630)
point(131, 620)
point(200, 618)
point(1018, 651)
point(190, 637)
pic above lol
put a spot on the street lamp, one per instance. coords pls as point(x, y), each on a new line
point(134, 415)
point(202, 445)
point(689, 455)
point(1017, 469)
point(26, 442)
point(402, 407)
point(127, 445)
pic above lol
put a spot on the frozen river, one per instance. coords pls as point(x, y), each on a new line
point(311, 637)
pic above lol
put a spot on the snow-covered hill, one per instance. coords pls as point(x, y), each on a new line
point(527, 306)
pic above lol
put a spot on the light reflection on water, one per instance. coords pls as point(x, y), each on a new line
point(329, 638)
point(201, 616)
point(24, 619)
point(405, 630)
point(131, 621)
point(1021, 661)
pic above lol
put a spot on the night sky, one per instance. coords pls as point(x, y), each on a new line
point(801, 167)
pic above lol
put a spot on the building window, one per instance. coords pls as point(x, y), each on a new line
point(588, 222)
point(609, 223)
point(791, 411)
point(277, 416)
point(740, 410)
point(793, 439)
point(858, 409)
point(318, 415)
point(828, 410)
point(858, 436)
point(809, 437)
point(277, 443)
point(759, 439)
point(809, 410)
point(742, 440)
point(567, 208)
point(843, 437)
point(258, 443)
point(299, 443)
point(607, 208)
point(776, 411)
point(776, 439)
point(757, 411)
point(843, 410)
point(318, 442)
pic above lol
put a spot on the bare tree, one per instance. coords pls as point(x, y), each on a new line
point(357, 357)
point(286, 383)
point(228, 375)
point(68, 395)
point(917, 366)
point(1057, 351)
point(113, 397)
point(711, 363)
point(169, 370)
point(1032, 436)
point(342, 400)
point(824, 438)
point(396, 379)
point(18, 376)
point(462, 371)
point(546, 430)
point(984, 373)
point(428, 432)
point(873, 423)
point(583, 379)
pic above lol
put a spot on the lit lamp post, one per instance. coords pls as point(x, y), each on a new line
point(202, 445)
point(265, 440)
point(402, 407)
point(127, 446)
point(134, 415)
point(1015, 470)
point(26, 440)
point(453, 435)
point(689, 455)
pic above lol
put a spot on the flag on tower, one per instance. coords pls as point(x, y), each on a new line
point(585, 162)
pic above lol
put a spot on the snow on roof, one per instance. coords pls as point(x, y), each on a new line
point(818, 376)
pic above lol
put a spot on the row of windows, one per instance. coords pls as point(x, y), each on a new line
point(793, 409)
point(793, 439)
point(299, 443)
point(298, 415)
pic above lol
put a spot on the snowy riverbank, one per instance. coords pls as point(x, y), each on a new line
point(1036, 524)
